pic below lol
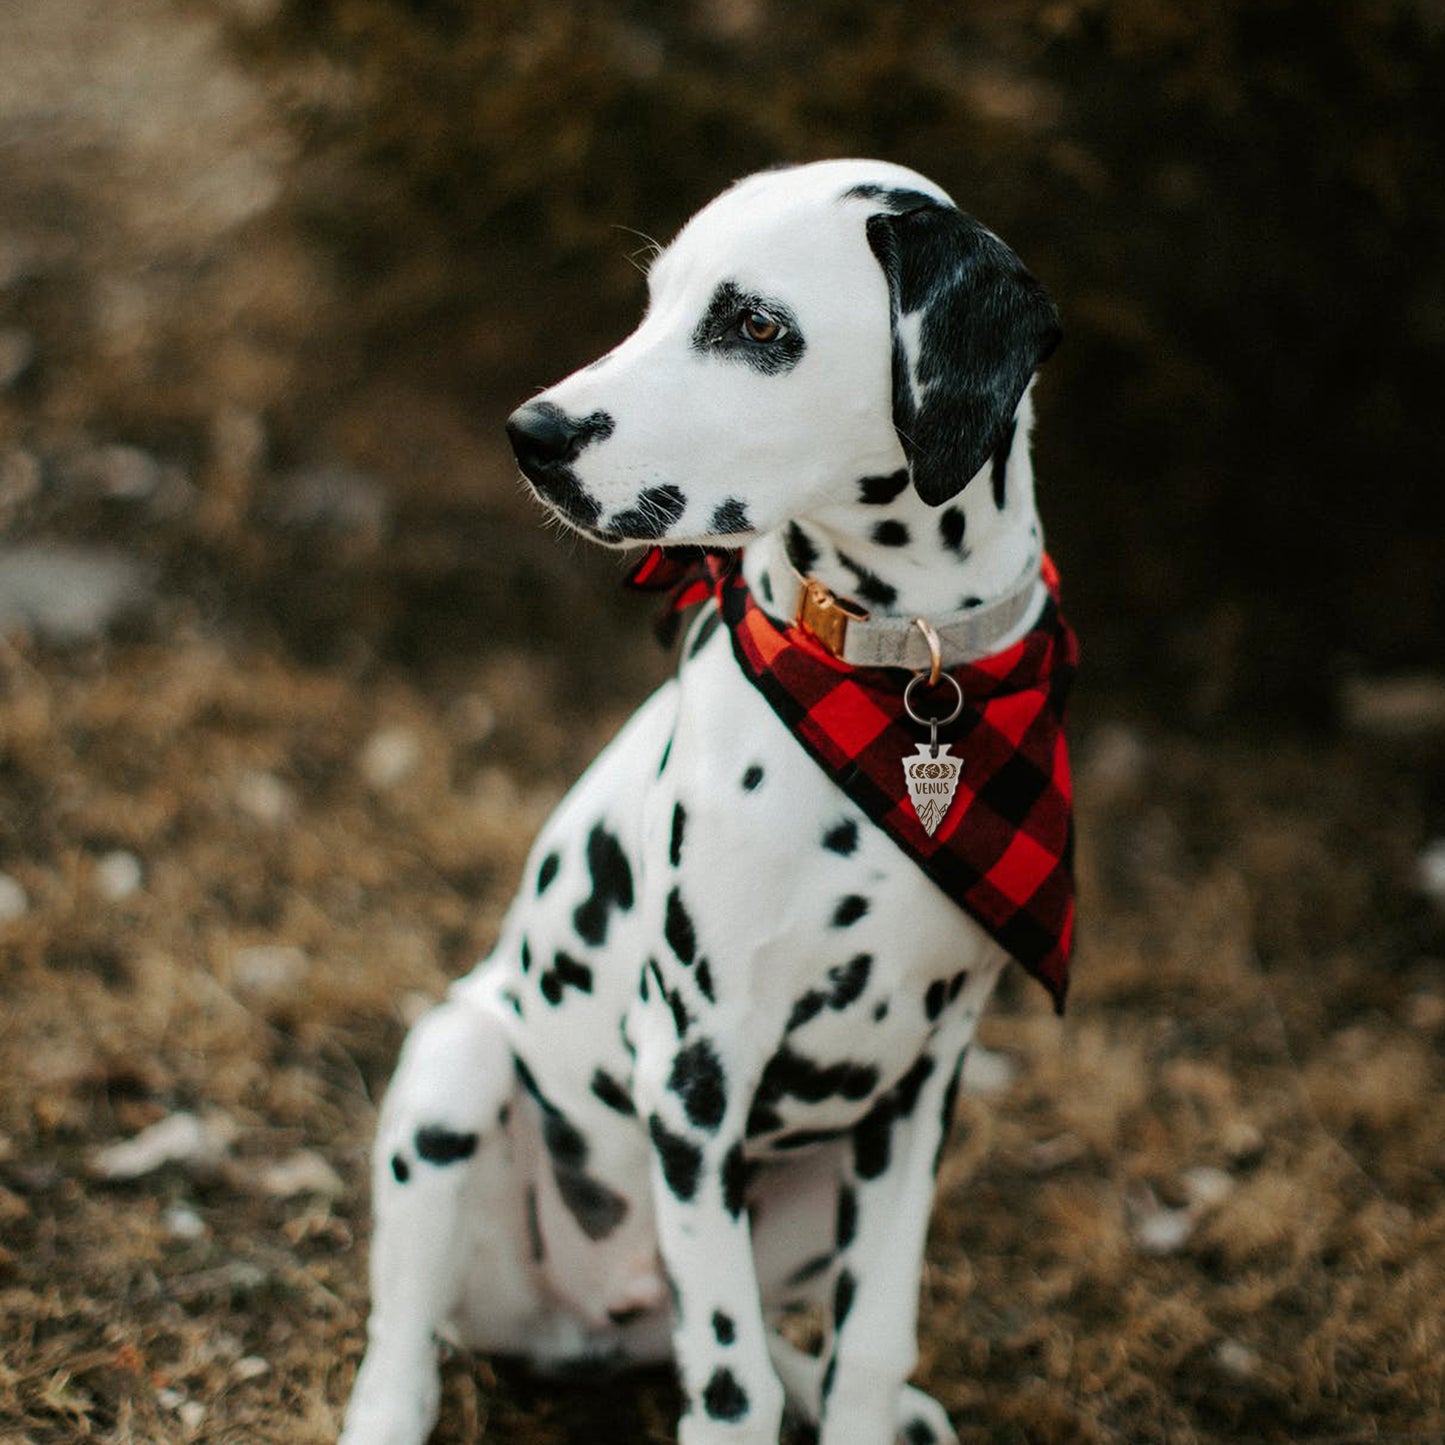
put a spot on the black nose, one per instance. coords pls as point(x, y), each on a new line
point(543, 435)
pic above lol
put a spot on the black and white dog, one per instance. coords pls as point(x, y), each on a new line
point(571, 1165)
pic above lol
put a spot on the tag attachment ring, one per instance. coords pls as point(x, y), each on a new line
point(932, 722)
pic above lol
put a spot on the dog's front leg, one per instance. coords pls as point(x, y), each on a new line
point(695, 1102)
point(887, 1204)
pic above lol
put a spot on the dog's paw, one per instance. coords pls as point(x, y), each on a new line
point(391, 1407)
point(922, 1420)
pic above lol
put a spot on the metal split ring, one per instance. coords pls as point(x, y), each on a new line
point(932, 722)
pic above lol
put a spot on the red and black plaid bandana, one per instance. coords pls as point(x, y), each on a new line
point(1004, 851)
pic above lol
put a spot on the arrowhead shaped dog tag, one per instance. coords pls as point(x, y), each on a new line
point(932, 776)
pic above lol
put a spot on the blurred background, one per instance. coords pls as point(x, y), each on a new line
point(290, 671)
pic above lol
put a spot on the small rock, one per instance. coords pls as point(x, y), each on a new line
point(1112, 767)
point(68, 594)
point(13, 902)
point(1158, 1229)
point(1046, 1155)
point(264, 796)
point(118, 876)
point(183, 1224)
point(304, 1172)
point(1243, 1142)
point(1236, 1358)
point(1408, 706)
point(269, 971)
point(123, 472)
point(17, 351)
point(1207, 1188)
point(192, 1414)
point(335, 499)
point(20, 477)
point(1430, 871)
point(987, 1073)
point(250, 1367)
point(170, 1399)
point(391, 754)
point(180, 1138)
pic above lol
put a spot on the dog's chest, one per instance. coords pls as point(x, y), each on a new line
point(706, 878)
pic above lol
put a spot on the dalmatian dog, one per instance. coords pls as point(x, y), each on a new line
point(705, 1076)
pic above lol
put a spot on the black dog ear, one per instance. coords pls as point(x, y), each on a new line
point(970, 327)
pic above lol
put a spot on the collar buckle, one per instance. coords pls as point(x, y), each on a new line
point(825, 615)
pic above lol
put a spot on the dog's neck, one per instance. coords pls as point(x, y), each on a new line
point(902, 557)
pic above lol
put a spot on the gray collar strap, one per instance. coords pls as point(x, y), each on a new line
point(853, 635)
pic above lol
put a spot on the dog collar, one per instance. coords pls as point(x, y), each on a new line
point(849, 632)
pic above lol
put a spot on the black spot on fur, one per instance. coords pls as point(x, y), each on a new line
point(880, 1011)
point(842, 838)
point(678, 928)
point(869, 586)
point(534, 1228)
point(752, 778)
point(935, 998)
point(949, 1108)
point(808, 1007)
point(564, 1140)
point(955, 985)
point(679, 828)
point(829, 1375)
point(611, 1093)
point(735, 1175)
point(805, 1138)
point(879, 491)
point(800, 549)
point(681, 1159)
point(844, 1288)
point(891, 533)
point(439, 1145)
point(547, 872)
point(952, 525)
point(810, 1269)
point(703, 975)
point(723, 1398)
point(566, 972)
point(597, 1209)
point(698, 1079)
point(849, 910)
point(611, 886)
point(919, 1432)
point(400, 1169)
point(526, 956)
point(729, 517)
point(765, 586)
point(873, 1135)
point(847, 1227)
point(790, 1075)
point(999, 471)
point(656, 510)
point(628, 1316)
point(723, 1329)
point(672, 997)
point(666, 754)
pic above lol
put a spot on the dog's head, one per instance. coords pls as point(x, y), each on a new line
point(810, 327)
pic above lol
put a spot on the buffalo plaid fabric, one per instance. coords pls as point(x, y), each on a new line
point(1004, 851)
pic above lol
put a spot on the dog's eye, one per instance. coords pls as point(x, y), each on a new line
point(761, 328)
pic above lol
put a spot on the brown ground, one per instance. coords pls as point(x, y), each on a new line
point(267, 816)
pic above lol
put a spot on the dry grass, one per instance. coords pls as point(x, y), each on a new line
point(1258, 996)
